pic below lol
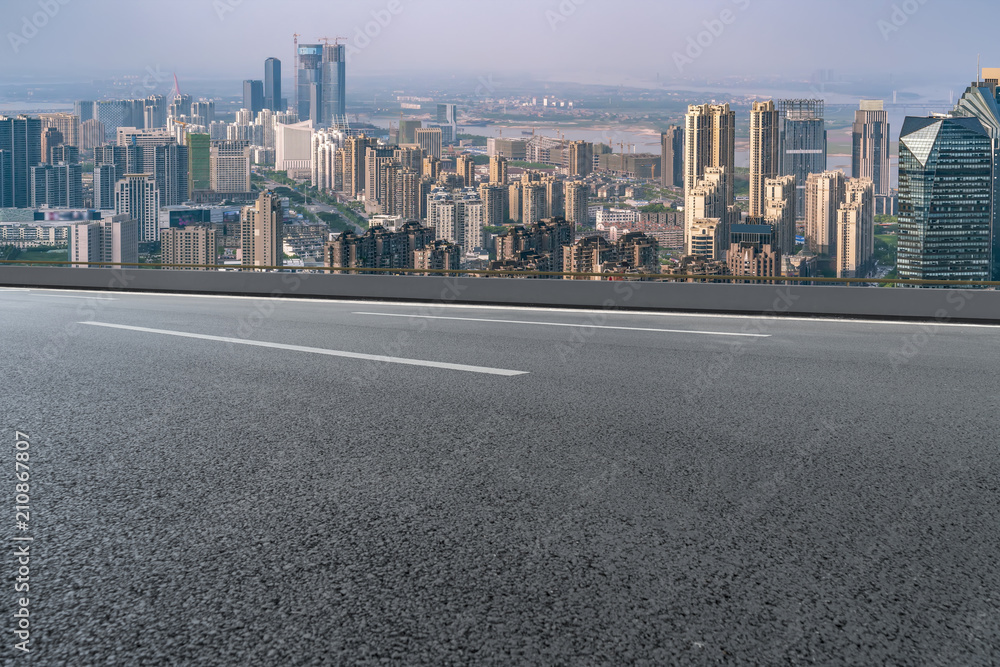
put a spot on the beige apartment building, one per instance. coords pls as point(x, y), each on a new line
point(189, 246)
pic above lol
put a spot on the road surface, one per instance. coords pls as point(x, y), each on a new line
point(238, 481)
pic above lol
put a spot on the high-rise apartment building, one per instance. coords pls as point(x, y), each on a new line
point(67, 124)
point(672, 157)
point(465, 167)
point(577, 198)
point(105, 180)
point(92, 134)
point(272, 85)
point(581, 158)
point(707, 202)
point(114, 240)
point(803, 143)
point(823, 196)
point(56, 186)
point(230, 166)
point(946, 198)
point(137, 196)
point(21, 138)
point(752, 252)
point(170, 169)
point(355, 153)
point(261, 230)
point(494, 198)
point(780, 213)
point(870, 154)
point(710, 142)
point(856, 230)
point(429, 140)
point(764, 156)
point(193, 246)
point(498, 170)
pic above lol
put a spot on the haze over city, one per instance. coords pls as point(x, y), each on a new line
point(583, 40)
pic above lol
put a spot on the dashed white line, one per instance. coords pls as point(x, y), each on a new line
point(582, 325)
point(315, 350)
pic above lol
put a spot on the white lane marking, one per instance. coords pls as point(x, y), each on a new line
point(582, 325)
point(316, 350)
point(73, 296)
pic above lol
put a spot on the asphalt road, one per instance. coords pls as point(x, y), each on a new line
point(627, 489)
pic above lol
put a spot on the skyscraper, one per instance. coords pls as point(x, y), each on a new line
point(272, 85)
point(230, 166)
point(577, 196)
point(982, 102)
point(170, 170)
point(779, 212)
point(262, 232)
point(764, 135)
point(447, 114)
point(856, 230)
point(21, 137)
point(581, 158)
point(408, 131)
point(803, 143)
point(465, 167)
point(199, 162)
point(672, 160)
point(334, 84)
point(824, 194)
point(320, 84)
point(137, 196)
point(870, 154)
point(498, 170)
point(253, 96)
point(429, 139)
point(56, 186)
point(709, 143)
point(67, 124)
point(945, 199)
point(105, 179)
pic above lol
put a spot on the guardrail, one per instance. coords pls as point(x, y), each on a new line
point(514, 273)
point(770, 300)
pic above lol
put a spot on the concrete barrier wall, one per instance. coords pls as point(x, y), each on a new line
point(850, 302)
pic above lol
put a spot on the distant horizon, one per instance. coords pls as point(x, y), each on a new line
point(571, 39)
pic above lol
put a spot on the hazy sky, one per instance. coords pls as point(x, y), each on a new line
point(574, 38)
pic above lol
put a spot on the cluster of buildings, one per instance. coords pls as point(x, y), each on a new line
point(790, 187)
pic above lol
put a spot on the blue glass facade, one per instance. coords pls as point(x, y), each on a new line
point(945, 199)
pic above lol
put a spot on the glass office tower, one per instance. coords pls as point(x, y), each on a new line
point(945, 199)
